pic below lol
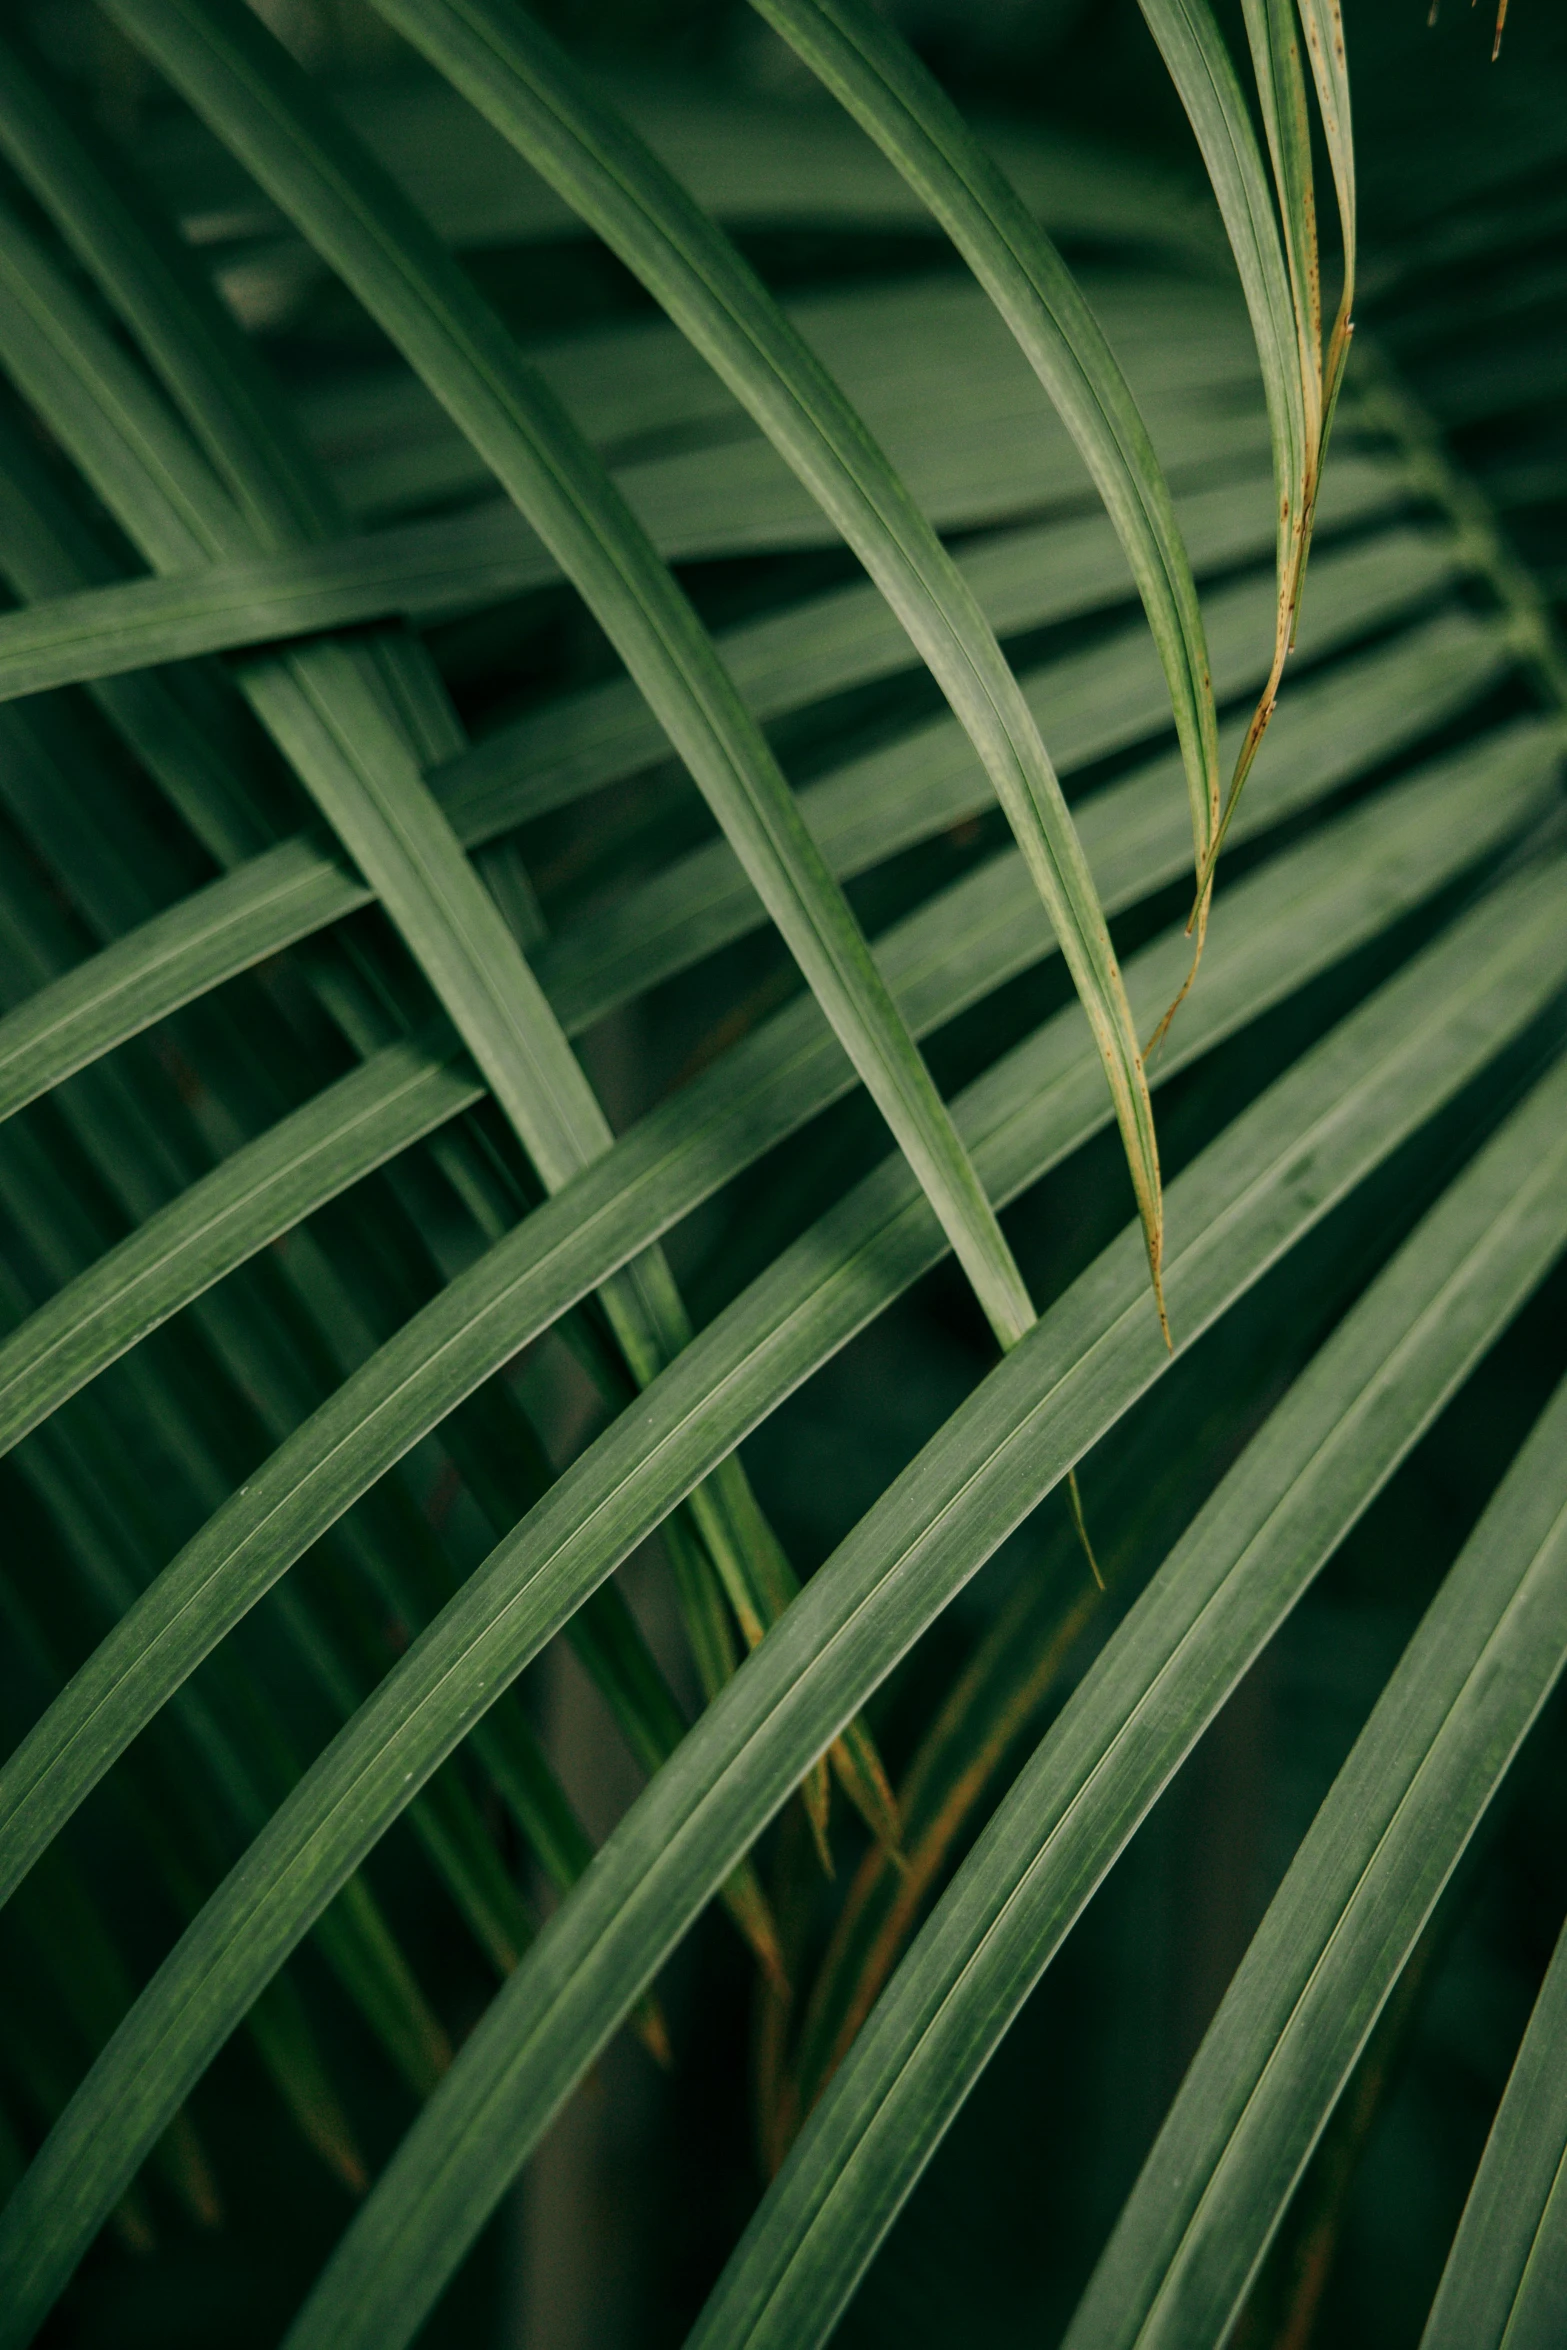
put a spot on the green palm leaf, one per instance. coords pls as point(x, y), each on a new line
point(1502, 2282)
point(506, 67)
point(932, 1531)
point(355, 725)
point(1186, 1643)
point(298, 887)
point(1345, 1920)
point(407, 280)
point(666, 1166)
point(1280, 278)
point(257, 1194)
point(355, 892)
point(1347, 1104)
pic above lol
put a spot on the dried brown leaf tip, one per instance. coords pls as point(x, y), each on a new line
point(1501, 23)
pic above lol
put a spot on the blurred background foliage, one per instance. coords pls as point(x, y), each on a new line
point(625, 2219)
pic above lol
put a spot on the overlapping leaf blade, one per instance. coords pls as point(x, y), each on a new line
point(931, 1531)
point(356, 723)
point(1280, 274)
point(258, 1193)
point(509, 69)
point(876, 76)
point(678, 1156)
point(299, 887)
point(1344, 1106)
point(1187, 1641)
point(1503, 2278)
point(959, 949)
point(1345, 1920)
point(229, 65)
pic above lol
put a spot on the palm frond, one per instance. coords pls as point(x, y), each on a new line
point(1501, 2274)
point(500, 830)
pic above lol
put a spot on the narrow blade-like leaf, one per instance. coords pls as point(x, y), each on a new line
point(1199, 64)
point(1338, 1932)
point(232, 69)
point(1506, 2273)
point(258, 1193)
point(1035, 1099)
point(1243, 1564)
point(1339, 1112)
point(358, 724)
point(878, 78)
